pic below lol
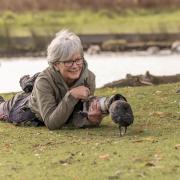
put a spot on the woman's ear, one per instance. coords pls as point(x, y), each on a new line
point(56, 66)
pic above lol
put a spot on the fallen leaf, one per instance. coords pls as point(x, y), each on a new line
point(104, 157)
point(138, 140)
point(81, 154)
point(38, 133)
point(157, 157)
point(150, 163)
point(37, 155)
point(117, 173)
point(177, 146)
point(158, 92)
point(161, 114)
point(150, 139)
point(142, 174)
point(64, 162)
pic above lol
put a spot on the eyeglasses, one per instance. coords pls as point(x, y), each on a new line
point(71, 62)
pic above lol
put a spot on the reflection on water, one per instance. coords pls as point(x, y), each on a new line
point(107, 67)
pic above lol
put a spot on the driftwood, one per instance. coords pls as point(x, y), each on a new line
point(144, 80)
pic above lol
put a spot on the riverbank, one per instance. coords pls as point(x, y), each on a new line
point(149, 150)
point(28, 33)
point(95, 44)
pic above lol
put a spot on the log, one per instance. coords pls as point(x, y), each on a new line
point(143, 80)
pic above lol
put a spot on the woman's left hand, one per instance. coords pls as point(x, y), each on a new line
point(94, 112)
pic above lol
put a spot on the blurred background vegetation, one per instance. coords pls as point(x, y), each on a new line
point(34, 18)
point(27, 17)
point(56, 5)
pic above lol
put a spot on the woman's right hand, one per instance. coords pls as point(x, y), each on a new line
point(80, 92)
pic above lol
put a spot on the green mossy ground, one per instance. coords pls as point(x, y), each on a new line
point(149, 150)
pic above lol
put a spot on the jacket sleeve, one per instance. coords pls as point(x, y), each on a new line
point(53, 113)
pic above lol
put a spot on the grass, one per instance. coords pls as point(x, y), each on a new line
point(88, 21)
point(149, 150)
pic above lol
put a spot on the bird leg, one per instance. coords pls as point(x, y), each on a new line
point(122, 130)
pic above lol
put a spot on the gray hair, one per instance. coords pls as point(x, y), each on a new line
point(63, 47)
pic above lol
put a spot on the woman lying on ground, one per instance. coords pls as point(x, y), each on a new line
point(59, 90)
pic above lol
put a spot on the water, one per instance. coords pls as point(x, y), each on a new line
point(107, 67)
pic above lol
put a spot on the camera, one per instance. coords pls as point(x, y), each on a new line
point(117, 106)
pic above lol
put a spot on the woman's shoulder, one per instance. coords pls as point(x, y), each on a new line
point(45, 74)
point(44, 78)
point(91, 74)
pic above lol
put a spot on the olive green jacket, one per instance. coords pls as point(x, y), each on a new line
point(50, 99)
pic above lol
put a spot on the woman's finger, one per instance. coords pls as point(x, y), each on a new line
point(95, 104)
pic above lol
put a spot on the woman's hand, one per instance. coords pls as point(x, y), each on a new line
point(80, 92)
point(94, 112)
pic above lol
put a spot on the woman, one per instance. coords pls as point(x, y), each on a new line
point(59, 90)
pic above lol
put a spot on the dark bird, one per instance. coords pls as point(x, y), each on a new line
point(121, 114)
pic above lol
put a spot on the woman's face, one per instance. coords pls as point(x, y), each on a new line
point(71, 69)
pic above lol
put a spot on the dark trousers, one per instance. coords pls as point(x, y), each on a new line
point(16, 110)
point(6, 106)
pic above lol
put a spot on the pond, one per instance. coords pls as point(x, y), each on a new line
point(107, 67)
